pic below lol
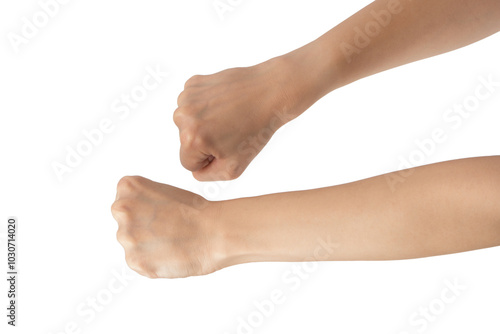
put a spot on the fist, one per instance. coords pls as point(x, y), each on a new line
point(225, 119)
point(165, 231)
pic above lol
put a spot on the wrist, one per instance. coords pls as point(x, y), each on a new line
point(244, 232)
point(229, 234)
point(258, 229)
point(275, 227)
point(314, 72)
point(296, 80)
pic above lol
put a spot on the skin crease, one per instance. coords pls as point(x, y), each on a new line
point(225, 119)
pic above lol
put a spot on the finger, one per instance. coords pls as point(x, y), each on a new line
point(125, 237)
point(135, 264)
point(218, 170)
point(122, 210)
point(181, 98)
point(194, 160)
point(195, 80)
point(126, 186)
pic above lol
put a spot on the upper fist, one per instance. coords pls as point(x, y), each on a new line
point(225, 119)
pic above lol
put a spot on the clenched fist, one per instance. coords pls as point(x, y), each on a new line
point(165, 231)
point(225, 119)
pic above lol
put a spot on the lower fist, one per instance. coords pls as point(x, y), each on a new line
point(165, 231)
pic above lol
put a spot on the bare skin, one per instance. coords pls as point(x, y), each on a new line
point(225, 119)
point(442, 208)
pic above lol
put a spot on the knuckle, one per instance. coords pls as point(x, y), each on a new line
point(150, 274)
point(130, 183)
point(137, 263)
point(124, 208)
point(188, 111)
point(185, 97)
point(126, 183)
point(233, 170)
point(194, 80)
point(134, 261)
point(122, 205)
point(125, 238)
point(190, 137)
point(178, 116)
point(187, 162)
point(181, 97)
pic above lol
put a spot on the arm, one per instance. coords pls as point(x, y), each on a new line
point(225, 119)
point(439, 209)
point(391, 33)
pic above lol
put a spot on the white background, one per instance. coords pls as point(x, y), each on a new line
point(64, 80)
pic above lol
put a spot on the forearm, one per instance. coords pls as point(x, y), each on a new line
point(441, 208)
point(384, 35)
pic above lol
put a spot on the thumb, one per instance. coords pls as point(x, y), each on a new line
point(194, 160)
point(219, 170)
point(210, 172)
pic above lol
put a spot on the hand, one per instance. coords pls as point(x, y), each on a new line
point(225, 119)
point(165, 231)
